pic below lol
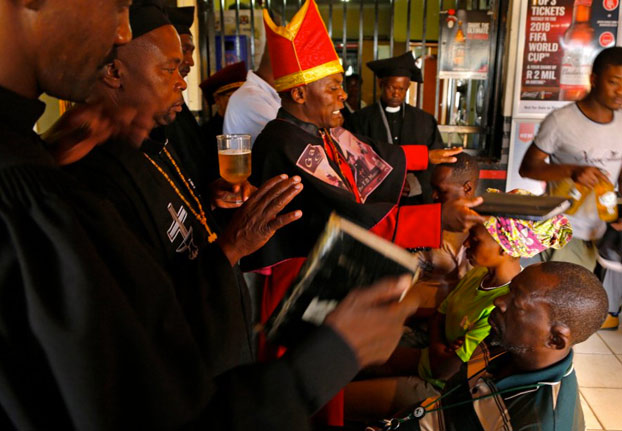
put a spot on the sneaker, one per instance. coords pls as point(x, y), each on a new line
point(611, 323)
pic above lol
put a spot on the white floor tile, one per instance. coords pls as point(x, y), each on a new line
point(613, 339)
point(598, 371)
point(594, 344)
point(606, 406)
point(590, 419)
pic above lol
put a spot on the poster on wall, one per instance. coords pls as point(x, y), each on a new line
point(559, 40)
point(522, 134)
point(465, 45)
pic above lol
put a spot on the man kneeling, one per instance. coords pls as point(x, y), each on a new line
point(532, 384)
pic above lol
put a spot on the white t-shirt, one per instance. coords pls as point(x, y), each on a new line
point(569, 137)
point(251, 107)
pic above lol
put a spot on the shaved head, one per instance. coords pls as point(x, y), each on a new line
point(578, 301)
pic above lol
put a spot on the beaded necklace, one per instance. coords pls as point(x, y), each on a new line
point(199, 215)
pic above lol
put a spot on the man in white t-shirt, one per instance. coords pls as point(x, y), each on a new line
point(583, 141)
point(255, 103)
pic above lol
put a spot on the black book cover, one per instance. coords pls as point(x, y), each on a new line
point(346, 256)
point(525, 207)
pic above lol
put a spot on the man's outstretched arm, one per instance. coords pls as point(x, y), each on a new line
point(535, 166)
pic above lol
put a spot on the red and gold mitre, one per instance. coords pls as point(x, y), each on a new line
point(301, 52)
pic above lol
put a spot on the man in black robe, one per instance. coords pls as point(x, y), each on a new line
point(193, 147)
point(87, 315)
point(392, 120)
point(353, 103)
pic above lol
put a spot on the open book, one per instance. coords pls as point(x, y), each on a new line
point(526, 207)
point(346, 256)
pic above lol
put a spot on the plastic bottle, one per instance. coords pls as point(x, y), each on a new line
point(569, 189)
point(606, 201)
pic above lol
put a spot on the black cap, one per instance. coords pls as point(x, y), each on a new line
point(403, 65)
point(147, 15)
point(181, 18)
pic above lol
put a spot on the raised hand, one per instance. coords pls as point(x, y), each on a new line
point(85, 126)
point(445, 155)
point(457, 215)
point(258, 218)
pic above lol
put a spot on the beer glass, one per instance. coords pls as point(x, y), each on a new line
point(234, 159)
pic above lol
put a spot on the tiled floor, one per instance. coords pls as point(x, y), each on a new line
point(598, 362)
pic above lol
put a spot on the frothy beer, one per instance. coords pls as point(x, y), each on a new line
point(235, 165)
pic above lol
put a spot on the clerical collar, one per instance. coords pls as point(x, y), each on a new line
point(307, 127)
point(390, 109)
point(19, 112)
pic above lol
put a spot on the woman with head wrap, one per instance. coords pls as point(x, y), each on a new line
point(461, 321)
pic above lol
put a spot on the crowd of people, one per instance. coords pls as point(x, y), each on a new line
point(124, 264)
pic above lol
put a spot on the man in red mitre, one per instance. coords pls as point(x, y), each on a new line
point(358, 178)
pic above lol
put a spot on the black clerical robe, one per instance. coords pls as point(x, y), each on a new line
point(195, 149)
point(409, 126)
point(212, 128)
point(212, 293)
point(93, 332)
point(288, 145)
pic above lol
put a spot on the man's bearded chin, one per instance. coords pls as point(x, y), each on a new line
point(495, 340)
point(165, 118)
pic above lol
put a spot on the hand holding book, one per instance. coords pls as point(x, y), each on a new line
point(460, 215)
point(345, 259)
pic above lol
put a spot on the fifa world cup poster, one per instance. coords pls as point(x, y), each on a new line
point(559, 41)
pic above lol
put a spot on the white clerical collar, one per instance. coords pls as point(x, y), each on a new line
point(392, 110)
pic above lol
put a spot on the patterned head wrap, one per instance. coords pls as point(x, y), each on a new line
point(526, 238)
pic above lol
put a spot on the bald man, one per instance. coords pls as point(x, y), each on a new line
point(530, 383)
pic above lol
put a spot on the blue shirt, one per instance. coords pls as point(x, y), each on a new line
point(251, 107)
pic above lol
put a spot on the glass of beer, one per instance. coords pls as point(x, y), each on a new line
point(234, 160)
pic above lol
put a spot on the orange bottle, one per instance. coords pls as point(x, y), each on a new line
point(606, 201)
point(459, 46)
point(576, 192)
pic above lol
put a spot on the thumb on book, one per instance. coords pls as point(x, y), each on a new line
point(470, 203)
point(386, 290)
